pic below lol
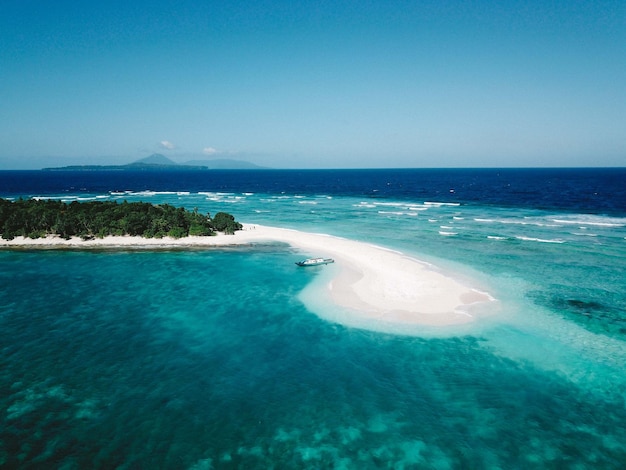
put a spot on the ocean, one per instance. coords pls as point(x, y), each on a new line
point(209, 358)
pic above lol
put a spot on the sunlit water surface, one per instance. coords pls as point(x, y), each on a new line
point(214, 359)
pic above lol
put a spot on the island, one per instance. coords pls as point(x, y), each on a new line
point(40, 218)
point(368, 286)
point(158, 162)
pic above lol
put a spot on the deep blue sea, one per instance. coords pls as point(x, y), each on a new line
point(209, 358)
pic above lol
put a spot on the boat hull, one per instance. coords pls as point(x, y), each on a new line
point(315, 262)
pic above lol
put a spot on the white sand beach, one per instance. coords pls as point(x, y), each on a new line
point(373, 282)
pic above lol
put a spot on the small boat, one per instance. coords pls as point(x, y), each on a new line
point(315, 261)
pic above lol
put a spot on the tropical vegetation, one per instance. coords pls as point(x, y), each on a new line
point(36, 218)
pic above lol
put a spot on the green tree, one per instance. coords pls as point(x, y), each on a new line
point(224, 222)
point(37, 218)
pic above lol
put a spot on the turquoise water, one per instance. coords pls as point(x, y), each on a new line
point(213, 358)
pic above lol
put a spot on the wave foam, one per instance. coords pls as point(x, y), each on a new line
point(391, 212)
point(592, 220)
point(440, 204)
point(540, 240)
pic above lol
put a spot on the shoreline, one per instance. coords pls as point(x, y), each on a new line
point(373, 283)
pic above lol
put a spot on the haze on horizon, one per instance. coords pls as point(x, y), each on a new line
point(314, 84)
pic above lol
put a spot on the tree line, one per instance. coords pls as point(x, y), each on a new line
point(36, 218)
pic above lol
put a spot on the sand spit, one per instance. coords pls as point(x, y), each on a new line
point(373, 282)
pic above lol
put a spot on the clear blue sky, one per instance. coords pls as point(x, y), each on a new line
point(300, 84)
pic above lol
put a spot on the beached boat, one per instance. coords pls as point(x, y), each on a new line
point(315, 261)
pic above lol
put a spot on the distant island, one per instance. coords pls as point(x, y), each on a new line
point(35, 218)
point(161, 162)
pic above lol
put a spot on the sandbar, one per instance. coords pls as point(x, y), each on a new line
point(372, 282)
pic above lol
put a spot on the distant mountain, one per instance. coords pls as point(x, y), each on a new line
point(156, 161)
point(224, 164)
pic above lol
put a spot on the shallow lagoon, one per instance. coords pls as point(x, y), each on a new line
point(210, 359)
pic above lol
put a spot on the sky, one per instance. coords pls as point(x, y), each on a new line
point(319, 84)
